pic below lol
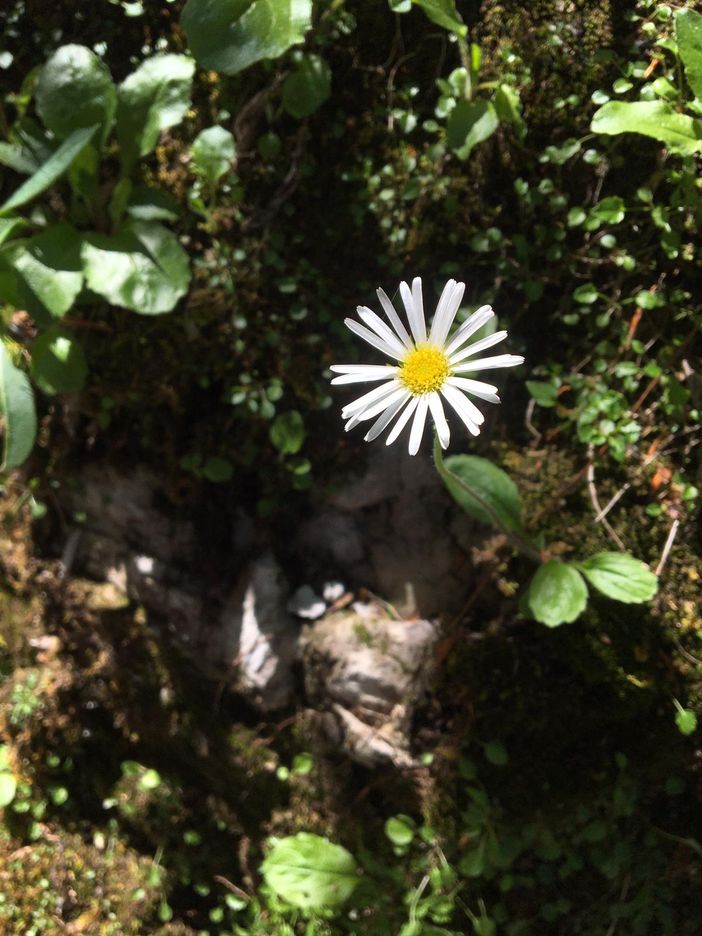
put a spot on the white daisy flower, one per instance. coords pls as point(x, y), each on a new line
point(428, 369)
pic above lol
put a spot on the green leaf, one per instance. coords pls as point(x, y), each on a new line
point(308, 87)
point(557, 593)
point(230, 35)
point(310, 871)
point(217, 470)
point(443, 13)
point(470, 123)
point(8, 788)
point(58, 363)
point(8, 226)
point(610, 210)
point(400, 830)
point(680, 133)
point(544, 393)
point(48, 271)
point(212, 153)
point(508, 107)
point(491, 483)
point(496, 753)
point(688, 34)
point(151, 99)
point(19, 419)
point(685, 719)
point(151, 204)
point(142, 267)
point(75, 90)
point(54, 167)
point(287, 432)
point(586, 294)
point(620, 576)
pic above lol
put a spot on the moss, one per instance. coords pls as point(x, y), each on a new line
point(62, 882)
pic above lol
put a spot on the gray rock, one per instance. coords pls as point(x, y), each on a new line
point(368, 671)
point(393, 528)
point(257, 636)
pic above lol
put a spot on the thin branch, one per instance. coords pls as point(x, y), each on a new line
point(668, 546)
point(592, 490)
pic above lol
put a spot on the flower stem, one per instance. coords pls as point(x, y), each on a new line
point(520, 542)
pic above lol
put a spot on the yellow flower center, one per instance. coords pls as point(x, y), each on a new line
point(424, 370)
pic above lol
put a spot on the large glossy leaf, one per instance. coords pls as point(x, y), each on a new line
point(75, 90)
point(152, 98)
point(230, 35)
point(19, 419)
point(142, 267)
point(307, 87)
point(681, 133)
point(58, 363)
point(557, 594)
point(443, 13)
point(688, 33)
point(620, 576)
point(310, 871)
point(54, 167)
point(212, 153)
point(495, 489)
point(470, 123)
point(48, 271)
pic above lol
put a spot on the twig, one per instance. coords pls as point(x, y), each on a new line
point(592, 490)
point(529, 424)
point(686, 653)
point(668, 545)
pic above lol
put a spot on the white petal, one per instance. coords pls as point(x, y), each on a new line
point(370, 412)
point(420, 333)
point(375, 323)
point(363, 373)
point(469, 327)
point(458, 401)
point(402, 420)
point(500, 360)
point(437, 412)
point(394, 318)
point(484, 391)
point(363, 401)
point(384, 420)
point(478, 346)
point(418, 423)
point(372, 339)
point(446, 312)
point(419, 305)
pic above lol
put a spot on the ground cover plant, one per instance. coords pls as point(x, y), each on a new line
point(194, 196)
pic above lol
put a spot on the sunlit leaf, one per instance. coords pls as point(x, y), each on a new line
point(681, 133)
point(620, 576)
point(52, 169)
point(19, 419)
point(152, 98)
point(310, 871)
point(230, 35)
point(75, 90)
point(557, 593)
